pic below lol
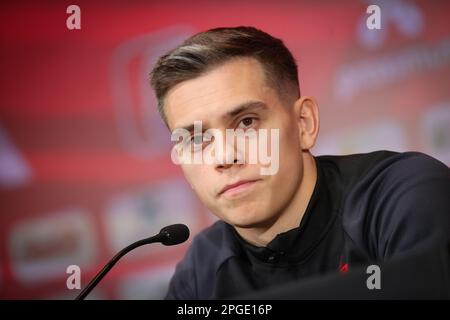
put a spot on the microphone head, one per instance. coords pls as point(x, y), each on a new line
point(174, 234)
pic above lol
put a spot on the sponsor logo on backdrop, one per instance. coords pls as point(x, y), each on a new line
point(400, 19)
point(140, 130)
point(132, 216)
point(42, 248)
point(379, 72)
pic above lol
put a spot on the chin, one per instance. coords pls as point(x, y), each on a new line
point(246, 218)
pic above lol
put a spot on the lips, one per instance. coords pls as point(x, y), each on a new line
point(238, 186)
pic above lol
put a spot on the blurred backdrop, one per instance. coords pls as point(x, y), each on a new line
point(84, 158)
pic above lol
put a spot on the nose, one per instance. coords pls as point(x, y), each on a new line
point(225, 166)
point(229, 157)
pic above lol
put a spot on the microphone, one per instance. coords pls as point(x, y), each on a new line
point(168, 236)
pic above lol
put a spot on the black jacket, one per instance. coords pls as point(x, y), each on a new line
point(365, 208)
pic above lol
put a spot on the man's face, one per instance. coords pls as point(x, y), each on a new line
point(216, 99)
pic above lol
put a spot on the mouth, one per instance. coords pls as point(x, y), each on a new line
point(237, 188)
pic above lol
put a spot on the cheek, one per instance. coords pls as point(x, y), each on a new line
point(290, 153)
point(191, 172)
point(289, 135)
point(198, 178)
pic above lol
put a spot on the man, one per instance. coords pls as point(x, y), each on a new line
point(312, 215)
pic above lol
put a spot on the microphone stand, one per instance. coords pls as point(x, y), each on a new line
point(158, 238)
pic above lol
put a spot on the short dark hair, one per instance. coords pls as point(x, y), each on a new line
point(210, 48)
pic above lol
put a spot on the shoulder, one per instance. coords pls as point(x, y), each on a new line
point(398, 203)
point(194, 274)
point(381, 167)
point(399, 174)
point(351, 168)
point(413, 204)
point(415, 164)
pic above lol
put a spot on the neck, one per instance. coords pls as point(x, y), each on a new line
point(292, 215)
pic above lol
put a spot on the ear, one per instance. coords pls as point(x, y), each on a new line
point(307, 116)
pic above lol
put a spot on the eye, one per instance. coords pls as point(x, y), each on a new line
point(196, 139)
point(247, 122)
point(198, 142)
point(194, 143)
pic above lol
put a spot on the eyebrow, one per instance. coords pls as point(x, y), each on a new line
point(241, 108)
point(245, 107)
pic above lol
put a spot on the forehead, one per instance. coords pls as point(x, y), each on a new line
point(211, 95)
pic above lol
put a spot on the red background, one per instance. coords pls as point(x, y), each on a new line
point(84, 159)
